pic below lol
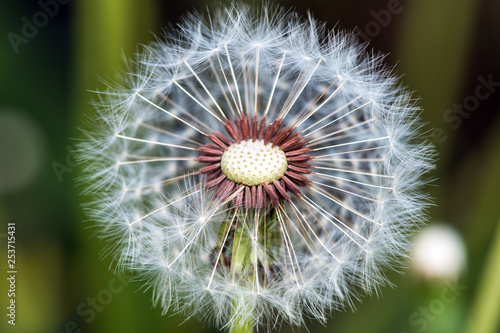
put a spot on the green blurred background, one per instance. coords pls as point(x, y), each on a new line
point(444, 49)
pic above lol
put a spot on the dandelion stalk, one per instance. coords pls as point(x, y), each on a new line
point(242, 327)
point(240, 261)
point(241, 323)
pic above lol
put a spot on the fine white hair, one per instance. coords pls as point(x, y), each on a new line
point(311, 255)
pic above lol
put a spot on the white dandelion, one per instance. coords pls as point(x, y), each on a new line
point(254, 169)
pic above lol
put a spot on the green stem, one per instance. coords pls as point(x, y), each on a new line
point(244, 260)
point(242, 327)
point(484, 315)
point(240, 260)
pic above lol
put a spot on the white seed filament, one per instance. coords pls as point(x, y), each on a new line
point(253, 162)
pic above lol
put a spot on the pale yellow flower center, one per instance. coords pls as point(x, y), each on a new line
point(253, 162)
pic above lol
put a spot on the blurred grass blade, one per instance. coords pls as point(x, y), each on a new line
point(105, 31)
point(484, 317)
point(434, 44)
point(435, 41)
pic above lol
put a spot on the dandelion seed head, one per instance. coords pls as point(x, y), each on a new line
point(256, 169)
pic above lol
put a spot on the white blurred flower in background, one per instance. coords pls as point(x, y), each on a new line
point(439, 252)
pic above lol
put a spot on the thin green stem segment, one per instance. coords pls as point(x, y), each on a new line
point(242, 327)
point(240, 263)
point(251, 230)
